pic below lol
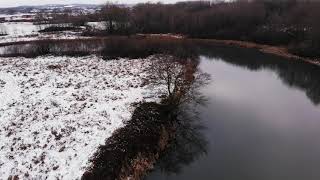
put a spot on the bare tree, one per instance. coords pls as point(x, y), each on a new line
point(181, 77)
point(116, 17)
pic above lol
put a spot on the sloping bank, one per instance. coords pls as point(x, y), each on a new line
point(133, 149)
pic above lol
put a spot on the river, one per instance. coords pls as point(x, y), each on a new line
point(261, 122)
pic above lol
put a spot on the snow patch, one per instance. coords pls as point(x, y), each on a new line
point(9, 89)
point(56, 111)
point(20, 28)
point(97, 25)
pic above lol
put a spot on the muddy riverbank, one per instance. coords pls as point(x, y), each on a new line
point(133, 150)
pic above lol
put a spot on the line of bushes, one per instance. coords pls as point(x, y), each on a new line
point(292, 23)
point(58, 28)
point(139, 47)
point(109, 48)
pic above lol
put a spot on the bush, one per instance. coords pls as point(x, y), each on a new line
point(140, 47)
point(109, 48)
point(59, 28)
point(307, 48)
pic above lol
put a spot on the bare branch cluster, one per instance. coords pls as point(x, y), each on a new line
point(181, 77)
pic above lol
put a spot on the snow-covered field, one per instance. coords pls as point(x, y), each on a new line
point(41, 36)
point(18, 17)
point(56, 111)
point(97, 25)
point(19, 28)
point(27, 31)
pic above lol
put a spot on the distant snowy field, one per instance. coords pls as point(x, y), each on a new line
point(19, 28)
point(56, 111)
point(27, 31)
point(18, 16)
point(97, 25)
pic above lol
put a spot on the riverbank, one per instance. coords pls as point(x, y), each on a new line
point(281, 51)
point(133, 150)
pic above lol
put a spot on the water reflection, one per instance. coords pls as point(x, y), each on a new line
point(184, 81)
point(188, 145)
point(293, 73)
point(261, 121)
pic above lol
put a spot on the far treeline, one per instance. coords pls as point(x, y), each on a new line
point(293, 23)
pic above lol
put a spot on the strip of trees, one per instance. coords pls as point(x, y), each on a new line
point(277, 22)
point(293, 23)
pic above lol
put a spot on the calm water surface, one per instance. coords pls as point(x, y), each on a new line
point(262, 122)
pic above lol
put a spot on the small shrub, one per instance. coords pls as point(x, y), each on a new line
point(58, 28)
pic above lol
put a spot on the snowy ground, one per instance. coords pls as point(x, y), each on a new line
point(19, 28)
point(56, 111)
point(41, 36)
point(27, 31)
point(18, 17)
point(97, 25)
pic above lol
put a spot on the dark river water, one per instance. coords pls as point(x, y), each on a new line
point(262, 122)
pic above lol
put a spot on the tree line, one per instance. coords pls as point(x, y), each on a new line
point(277, 22)
point(293, 23)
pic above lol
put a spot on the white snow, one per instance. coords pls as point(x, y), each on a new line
point(19, 16)
point(56, 111)
point(41, 36)
point(27, 31)
point(19, 28)
point(9, 89)
point(97, 25)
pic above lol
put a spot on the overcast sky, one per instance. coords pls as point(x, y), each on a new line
point(11, 3)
